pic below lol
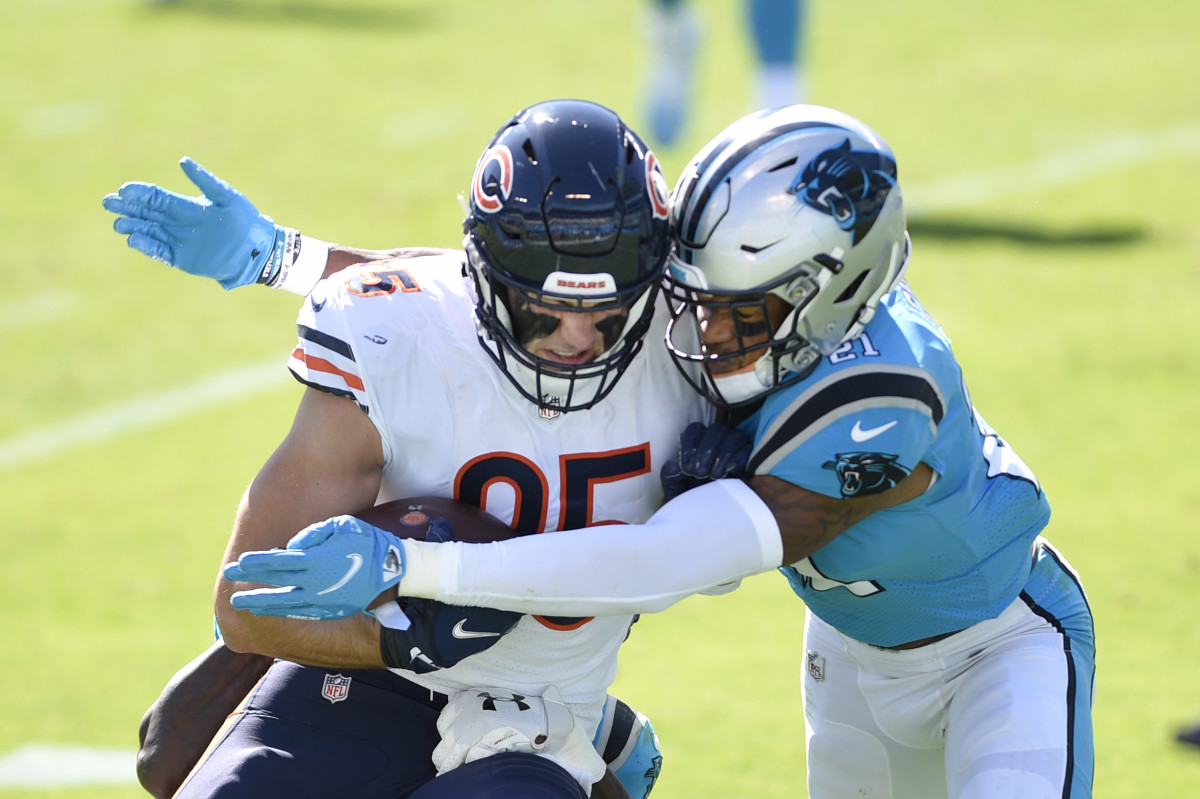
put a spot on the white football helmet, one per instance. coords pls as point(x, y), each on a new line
point(799, 202)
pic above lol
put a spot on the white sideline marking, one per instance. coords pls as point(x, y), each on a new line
point(420, 127)
point(35, 309)
point(118, 419)
point(55, 766)
point(1055, 170)
point(61, 120)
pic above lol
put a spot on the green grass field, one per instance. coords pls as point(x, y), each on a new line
point(1050, 153)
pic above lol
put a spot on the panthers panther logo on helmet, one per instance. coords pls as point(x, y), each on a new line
point(849, 185)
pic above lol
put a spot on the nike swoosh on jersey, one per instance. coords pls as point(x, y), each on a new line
point(859, 435)
point(355, 565)
point(460, 631)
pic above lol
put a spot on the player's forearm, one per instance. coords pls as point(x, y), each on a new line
point(309, 260)
point(808, 520)
point(341, 256)
point(317, 259)
point(351, 643)
point(713, 534)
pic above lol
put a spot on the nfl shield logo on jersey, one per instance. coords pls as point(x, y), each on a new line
point(549, 404)
point(335, 688)
point(816, 666)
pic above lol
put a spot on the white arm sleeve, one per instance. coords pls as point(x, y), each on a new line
point(716, 533)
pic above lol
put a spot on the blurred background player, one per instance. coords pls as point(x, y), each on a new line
point(675, 33)
point(542, 315)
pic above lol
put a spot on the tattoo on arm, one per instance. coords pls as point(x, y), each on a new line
point(808, 520)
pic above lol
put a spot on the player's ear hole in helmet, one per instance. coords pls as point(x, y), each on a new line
point(800, 204)
point(567, 213)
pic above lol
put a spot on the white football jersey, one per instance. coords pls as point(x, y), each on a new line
point(399, 338)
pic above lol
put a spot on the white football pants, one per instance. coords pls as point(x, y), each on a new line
point(1001, 709)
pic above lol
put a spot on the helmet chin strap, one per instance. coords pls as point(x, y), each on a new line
point(740, 387)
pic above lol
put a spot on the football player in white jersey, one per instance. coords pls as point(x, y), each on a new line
point(949, 648)
point(512, 376)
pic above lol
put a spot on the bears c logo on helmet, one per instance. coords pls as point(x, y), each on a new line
point(657, 185)
point(493, 179)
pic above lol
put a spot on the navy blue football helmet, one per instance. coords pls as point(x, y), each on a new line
point(568, 210)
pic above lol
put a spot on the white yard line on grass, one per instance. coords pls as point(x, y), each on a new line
point(1061, 169)
point(1056, 170)
point(124, 417)
point(54, 766)
point(35, 309)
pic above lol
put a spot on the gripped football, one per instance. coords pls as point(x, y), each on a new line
point(412, 518)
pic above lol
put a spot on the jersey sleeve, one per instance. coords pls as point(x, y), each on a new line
point(855, 432)
point(324, 358)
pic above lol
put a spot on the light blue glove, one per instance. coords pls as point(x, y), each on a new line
point(330, 570)
point(219, 235)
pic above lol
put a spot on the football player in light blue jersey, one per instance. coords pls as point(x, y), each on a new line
point(949, 649)
point(864, 419)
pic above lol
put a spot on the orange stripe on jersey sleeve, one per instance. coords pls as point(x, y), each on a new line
point(321, 365)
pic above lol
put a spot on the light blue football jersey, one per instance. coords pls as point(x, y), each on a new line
point(858, 424)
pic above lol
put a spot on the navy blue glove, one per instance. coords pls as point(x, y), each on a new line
point(706, 453)
point(441, 635)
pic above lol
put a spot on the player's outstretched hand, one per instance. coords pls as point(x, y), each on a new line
point(219, 234)
point(706, 453)
point(329, 570)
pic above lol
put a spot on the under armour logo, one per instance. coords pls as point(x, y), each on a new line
point(489, 701)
